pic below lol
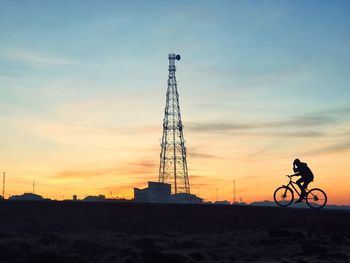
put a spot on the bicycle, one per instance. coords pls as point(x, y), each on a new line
point(284, 195)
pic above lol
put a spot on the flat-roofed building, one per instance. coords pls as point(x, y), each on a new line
point(154, 193)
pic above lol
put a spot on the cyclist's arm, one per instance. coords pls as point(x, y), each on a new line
point(296, 174)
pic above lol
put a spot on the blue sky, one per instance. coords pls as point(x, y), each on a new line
point(100, 67)
point(298, 46)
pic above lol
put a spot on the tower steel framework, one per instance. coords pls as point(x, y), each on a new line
point(173, 163)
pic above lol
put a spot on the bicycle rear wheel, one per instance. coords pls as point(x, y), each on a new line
point(316, 198)
point(283, 196)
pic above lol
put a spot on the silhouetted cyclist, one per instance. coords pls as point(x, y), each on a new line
point(301, 169)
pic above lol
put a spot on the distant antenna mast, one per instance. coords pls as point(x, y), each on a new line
point(33, 187)
point(3, 185)
point(234, 190)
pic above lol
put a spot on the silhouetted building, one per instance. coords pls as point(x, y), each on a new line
point(154, 193)
point(75, 197)
point(184, 198)
point(28, 196)
point(224, 202)
point(95, 198)
point(161, 193)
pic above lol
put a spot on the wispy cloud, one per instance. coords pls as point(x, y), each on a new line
point(332, 148)
point(336, 111)
point(252, 130)
point(291, 134)
point(308, 125)
point(307, 120)
point(295, 122)
point(34, 57)
point(8, 77)
point(217, 127)
point(200, 155)
point(141, 167)
point(86, 173)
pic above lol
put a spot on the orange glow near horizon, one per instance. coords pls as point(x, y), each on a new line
point(85, 163)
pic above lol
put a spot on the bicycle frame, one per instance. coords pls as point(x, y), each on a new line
point(291, 185)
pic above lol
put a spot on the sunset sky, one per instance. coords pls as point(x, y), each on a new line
point(82, 94)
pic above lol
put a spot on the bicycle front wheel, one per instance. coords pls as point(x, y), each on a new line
point(316, 198)
point(283, 196)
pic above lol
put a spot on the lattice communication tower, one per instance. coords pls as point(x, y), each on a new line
point(173, 163)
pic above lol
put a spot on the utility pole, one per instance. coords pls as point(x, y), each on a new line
point(234, 190)
point(33, 187)
point(217, 194)
point(3, 186)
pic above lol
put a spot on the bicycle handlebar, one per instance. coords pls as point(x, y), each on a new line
point(290, 178)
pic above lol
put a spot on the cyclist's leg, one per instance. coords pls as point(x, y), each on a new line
point(299, 183)
point(304, 186)
point(302, 189)
point(306, 183)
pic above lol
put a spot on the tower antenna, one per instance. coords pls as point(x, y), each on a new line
point(234, 190)
point(173, 163)
point(3, 185)
point(33, 187)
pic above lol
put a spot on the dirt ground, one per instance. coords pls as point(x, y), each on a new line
point(128, 232)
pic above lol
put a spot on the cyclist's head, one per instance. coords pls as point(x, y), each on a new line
point(296, 162)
